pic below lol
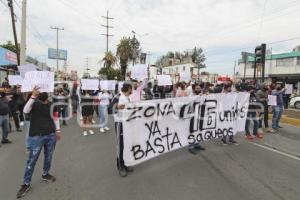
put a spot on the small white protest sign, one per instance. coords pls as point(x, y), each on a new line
point(272, 100)
point(15, 80)
point(42, 79)
point(89, 84)
point(107, 85)
point(26, 68)
point(139, 72)
point(289, 89)
point(185, 76)
point(163, 80)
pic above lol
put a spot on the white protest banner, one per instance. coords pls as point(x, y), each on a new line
point(163, 80)
point(272, 100)
point(26, 68)
point(89, 84)
point(42, 79)
point(139, 72)
point(152, 128)
point(185, 76)
point(108, 85)
point(289, 88)
point(15, 80)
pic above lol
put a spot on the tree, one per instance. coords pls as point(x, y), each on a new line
point(197, 56)
point(109, 59)
point(135, 46)
point(125, 54)
point(10, 46)
point(110, 73)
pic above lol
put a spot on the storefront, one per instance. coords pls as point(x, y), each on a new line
point(8, 63)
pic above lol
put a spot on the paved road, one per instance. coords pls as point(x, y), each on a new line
point(85, 170)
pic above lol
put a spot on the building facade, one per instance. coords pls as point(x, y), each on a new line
point(284, 67)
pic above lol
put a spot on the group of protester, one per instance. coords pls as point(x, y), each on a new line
point(43, 126)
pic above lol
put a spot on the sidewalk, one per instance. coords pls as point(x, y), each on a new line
point(290, 116)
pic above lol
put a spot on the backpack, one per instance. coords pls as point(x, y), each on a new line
point(112, 106)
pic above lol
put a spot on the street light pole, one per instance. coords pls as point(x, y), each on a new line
point(23, 33)
point(57, 30)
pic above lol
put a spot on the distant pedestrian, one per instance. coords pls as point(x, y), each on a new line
point(103, 97)
point(278, 109)
point(4, 118)
point(87, 111)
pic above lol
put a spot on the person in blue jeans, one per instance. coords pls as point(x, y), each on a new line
point(278, 109)
point(104, 97)
point(4, 118)
point(43, 133)
point(254, 108)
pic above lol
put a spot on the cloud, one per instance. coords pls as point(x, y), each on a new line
point(220, 27)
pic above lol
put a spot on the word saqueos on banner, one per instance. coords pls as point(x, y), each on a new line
point(152, 128)
point(42, 79)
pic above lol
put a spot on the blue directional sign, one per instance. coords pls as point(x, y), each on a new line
point(60, 55)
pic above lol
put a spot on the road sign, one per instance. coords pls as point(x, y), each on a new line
point(61, 55)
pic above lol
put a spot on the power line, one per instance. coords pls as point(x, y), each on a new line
point(107, 35)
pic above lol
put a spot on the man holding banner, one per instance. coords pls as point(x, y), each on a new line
point(124, 99)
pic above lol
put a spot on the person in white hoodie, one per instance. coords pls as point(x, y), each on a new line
point(104, 97)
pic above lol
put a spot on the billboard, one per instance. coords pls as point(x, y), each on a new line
point(7, 57)
point(61, 55)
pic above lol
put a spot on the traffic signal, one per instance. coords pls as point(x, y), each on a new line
point(259, 60)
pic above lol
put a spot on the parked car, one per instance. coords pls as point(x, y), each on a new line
point(295, 102)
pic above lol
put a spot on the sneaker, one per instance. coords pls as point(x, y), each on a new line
point(19, 130)
point(199, 147)
point(106, 128)
point(224, 142)
point(85, 133)
point(129, 169)
point(23, 191)
point(234, 142)
point(6, 141)
point(21, 123)
point(270, 130)
point(91, 132)
point(193, 151)
point(122, 172)
point(249, 137)
point(260, 131)
point(93, 121)
point(102, 130)
point(280, 127)
point(48, 178)
point(259, 136)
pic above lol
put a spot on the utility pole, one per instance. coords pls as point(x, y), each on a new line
point(87, 65)
point(149, 57)
point(23, 33)
point(107, 35)
point(57, 30)
point(10, 5)
point(234, 70)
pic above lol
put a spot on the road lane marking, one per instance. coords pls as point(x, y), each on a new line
point(276, 151)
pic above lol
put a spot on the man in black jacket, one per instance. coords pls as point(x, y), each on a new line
point(4, 117)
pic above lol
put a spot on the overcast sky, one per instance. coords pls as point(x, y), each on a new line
point(223, 28)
